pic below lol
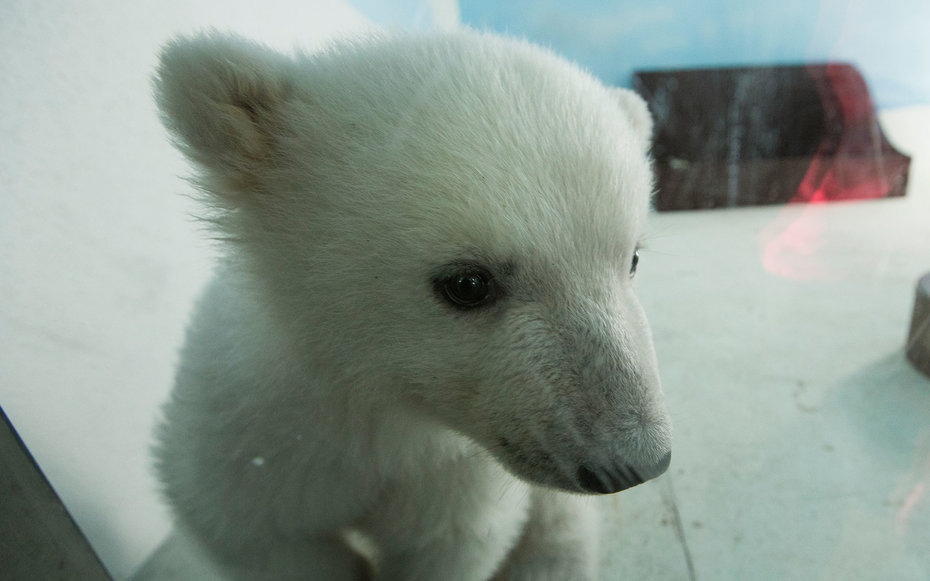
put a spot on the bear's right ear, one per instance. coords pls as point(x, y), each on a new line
point(638, 113)
point(221, 98)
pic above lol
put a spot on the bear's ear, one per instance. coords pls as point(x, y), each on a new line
point(638, 113)
point(221, 98)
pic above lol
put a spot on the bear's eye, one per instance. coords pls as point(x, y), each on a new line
point(634, 264)
point(467, 289)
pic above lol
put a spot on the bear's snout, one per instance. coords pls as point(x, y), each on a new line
point(620, 476)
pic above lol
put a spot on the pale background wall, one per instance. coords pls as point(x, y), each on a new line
point(99, 261)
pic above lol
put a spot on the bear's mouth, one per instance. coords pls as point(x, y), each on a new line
point(620, 476)
point(534, 466)
point(542, 468)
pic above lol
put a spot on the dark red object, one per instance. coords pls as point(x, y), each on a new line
point(767, 135)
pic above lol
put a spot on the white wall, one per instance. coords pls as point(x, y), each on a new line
point(99, 261)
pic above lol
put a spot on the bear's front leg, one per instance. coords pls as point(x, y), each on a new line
point(560, 542)
point(456, 522)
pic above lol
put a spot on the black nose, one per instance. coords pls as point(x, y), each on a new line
point(619, 477)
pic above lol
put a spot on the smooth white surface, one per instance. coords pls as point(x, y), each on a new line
point(99, 258)
point(802, 440)
point(802, 435)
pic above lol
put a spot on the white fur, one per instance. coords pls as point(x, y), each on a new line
point(334, 417)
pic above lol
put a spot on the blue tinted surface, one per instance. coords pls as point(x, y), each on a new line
point(886, 40)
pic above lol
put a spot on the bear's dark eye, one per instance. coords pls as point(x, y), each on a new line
point(467, 289)
point(634, 263)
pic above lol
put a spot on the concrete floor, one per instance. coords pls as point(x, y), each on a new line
point(802, 435)
point(802, 446)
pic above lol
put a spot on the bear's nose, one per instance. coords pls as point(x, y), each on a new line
point(610, 479)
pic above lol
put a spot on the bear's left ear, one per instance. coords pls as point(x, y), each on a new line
point(638, 113)
point(221, 97)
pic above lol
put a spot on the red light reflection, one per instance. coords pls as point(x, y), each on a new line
point(850, 168)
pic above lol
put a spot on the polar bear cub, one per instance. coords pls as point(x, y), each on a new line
point(422, 352)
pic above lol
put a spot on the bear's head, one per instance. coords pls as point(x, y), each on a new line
point(449, 223)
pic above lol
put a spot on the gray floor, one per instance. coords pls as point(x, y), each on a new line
point(802, 435)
